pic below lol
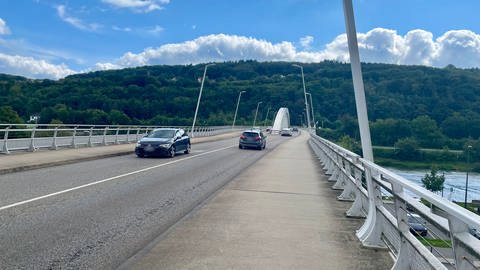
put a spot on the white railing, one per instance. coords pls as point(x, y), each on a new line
point(391, 203)
point(14, 137)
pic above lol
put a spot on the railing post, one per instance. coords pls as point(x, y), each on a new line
point(138, 132)
point(371, 231)
point(340, 183)
point(463, 260)
point(359, 206)
point(32, 148)
point(401, 215)
point(116, 136)
point(348, 185)
point(128, 133)
point(74, 143)
point(90, 132)
point(5, 141)
point(54, 141)
point(335, 170)
point(104, 140)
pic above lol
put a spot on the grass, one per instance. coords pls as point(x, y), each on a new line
point(435, 242)
point(412, 165)
point(470, 206)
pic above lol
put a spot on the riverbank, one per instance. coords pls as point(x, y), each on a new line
point(422, 165)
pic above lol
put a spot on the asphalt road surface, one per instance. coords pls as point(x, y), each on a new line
point(97, 214)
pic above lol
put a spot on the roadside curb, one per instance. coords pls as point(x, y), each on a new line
point(62, 162)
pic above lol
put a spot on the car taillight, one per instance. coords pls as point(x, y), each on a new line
point(258, 138)
point(243, 137)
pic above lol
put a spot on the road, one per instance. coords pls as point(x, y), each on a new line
point(97, 214)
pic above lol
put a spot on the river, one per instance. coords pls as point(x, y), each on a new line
point(454, 186)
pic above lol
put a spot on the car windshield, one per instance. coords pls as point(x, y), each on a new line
point(162, 133)
point(250, 134)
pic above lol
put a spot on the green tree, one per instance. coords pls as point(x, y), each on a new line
point(349, 143)
point(427, 133)
point(407, 149)
point(9, 116)
point(433, 181)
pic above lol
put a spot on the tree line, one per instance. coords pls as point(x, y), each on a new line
point(435, 107)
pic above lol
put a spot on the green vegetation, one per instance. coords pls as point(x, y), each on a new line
point(432, 181)
point(470, 206)
point(438, 243)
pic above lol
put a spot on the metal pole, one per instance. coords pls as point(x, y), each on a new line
point(266, 117)
point(305, 95)
point(313, 115)
point(369, 234)
point(236, 110)
point(199, 97)
point(358, 81)
point(468, 167)
point(256, 112)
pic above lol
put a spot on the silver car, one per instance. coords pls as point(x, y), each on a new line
point(252, 138)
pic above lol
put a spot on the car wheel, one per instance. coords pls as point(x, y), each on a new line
point(240, 146)
point(140, 155)
point(171, 153)
point(187, 151)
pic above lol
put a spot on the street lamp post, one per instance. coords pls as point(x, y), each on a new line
point(236, 110)
point(199, 97)
point(468, 167)
point(256, 112)
point(266, 117)
point(313, 115)
point(305, 94)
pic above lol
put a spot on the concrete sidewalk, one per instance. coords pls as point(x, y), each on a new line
point(21, 161)
point(279, 214)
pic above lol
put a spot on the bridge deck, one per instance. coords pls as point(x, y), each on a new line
point(279, 214)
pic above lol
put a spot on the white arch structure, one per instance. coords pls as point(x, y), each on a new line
point(282, 120)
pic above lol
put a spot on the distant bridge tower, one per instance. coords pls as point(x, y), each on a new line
point(282, 120)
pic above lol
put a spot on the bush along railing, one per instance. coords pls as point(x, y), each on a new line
point(15, 137)
point(389, 203)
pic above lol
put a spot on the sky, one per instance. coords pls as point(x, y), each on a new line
point(55, 38)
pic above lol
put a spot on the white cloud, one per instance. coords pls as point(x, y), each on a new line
point(76, 22)
point(124, 29)
point(417, 47)
point(458, 47)
point(4, 28)
point(138, 5)
point(306, 41)
point(155, 30)
point(32, 68)
point(218, 48)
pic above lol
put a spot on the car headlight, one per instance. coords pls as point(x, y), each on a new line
point(138, 144)
point(165, 145)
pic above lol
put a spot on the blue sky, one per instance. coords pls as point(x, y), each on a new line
point(54, 38)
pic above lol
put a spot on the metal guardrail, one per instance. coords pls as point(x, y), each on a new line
point(27, 137)
point(369, 186)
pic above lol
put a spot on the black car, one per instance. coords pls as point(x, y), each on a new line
point(417, 225)
point(252, 138)
point(163, 142)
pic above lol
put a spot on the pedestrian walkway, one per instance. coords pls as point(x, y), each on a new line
point(21, 161)
point(279, 214)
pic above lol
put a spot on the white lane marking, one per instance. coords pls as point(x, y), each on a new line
point(109, 179)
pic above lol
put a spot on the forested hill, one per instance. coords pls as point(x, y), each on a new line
point(164, 95)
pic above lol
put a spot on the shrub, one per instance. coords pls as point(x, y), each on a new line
point(407, 149)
